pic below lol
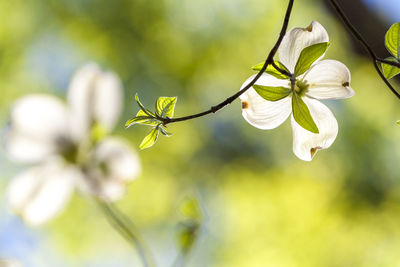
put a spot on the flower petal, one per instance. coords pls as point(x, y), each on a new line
point(123, 163)
point(305, 143)
point(38, 123)
point(94, 97)
point(27, 149)
point(113, 164)
point(41, 192)
point(261, 113)
point(299, 38)
point(329, 79)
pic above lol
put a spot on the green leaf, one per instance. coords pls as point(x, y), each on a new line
point(389, 70)
point(398, 122)
point(271, 70)
point(165, 106)
point(271, 93)
point(302, 115)
point(142, 118)
point(308, 56)
point(150, 139)
point(146, 111)
point(392, 40)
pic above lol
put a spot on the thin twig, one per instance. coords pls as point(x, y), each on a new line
point(358, 36)
point(229, 100)
point(127, 229)
point(284, 72)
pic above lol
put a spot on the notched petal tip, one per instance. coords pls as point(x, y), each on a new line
point(309, 28)
point(314, 151)
point(245, 105)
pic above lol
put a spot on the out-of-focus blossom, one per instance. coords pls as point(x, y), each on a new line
point(68, 146)
point(272, 100)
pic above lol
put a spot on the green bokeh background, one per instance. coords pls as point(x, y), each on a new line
point(264, 207)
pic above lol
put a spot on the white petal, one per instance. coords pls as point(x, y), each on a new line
point(329, 79)
point(27, 149)
point(112, 191)
point(305, 143)
point(38, 123)
point(41, 192)
point(113, 164)
point(261, 113)
point(94, 97)
point(123, 163)
point(299, 38)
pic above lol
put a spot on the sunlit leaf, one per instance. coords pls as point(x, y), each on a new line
point(272, 93)
point(150, 139)
point(165, 106)
point(389, 70)
point(272, 71)
point(142, 118)
point(302, 115)
point(392, 40)
point(308, 56)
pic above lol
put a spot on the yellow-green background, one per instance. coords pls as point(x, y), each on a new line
point(264, 207)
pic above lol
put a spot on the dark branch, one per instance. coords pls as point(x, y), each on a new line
point(268, 61)
point(284, 72)
point(358, 36)
point(393, 63)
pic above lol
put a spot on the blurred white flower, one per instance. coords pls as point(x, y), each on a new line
point(271, 100)
point(68, 146)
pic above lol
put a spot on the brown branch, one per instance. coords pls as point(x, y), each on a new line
point(358, 36)
point(229, 100)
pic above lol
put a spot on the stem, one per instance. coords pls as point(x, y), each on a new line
point(284, 72)
point(268, 61)
point(358, 36)
point(393, 63)
point(126, 228)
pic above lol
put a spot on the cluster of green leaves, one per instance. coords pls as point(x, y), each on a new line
point(164, 108)
point(301, 113)
point(392, 43)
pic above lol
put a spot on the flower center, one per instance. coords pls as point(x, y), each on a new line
point(301, 87)
point(68, 149)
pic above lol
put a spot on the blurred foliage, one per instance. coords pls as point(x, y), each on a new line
point(264, 206)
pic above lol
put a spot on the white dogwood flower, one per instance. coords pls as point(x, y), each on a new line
point(68, 146)
point(309, 78)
